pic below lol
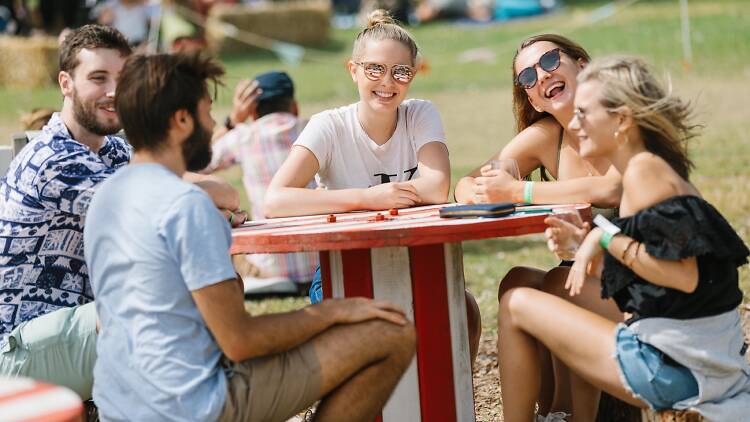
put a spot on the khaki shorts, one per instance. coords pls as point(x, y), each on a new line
point(272, 388)
point(59, 347)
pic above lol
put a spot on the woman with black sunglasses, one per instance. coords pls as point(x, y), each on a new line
point(544, 71)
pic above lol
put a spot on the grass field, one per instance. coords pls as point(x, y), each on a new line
point(473, 96)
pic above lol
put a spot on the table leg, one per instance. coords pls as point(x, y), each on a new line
point(427, 281)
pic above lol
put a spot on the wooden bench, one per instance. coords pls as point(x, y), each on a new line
point(670, 416)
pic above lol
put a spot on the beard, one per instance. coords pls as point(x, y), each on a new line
point(196, 150)
point(85, 115)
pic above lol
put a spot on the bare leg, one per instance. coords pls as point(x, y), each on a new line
point(360, 366)
point(533, 278)
point(580, 338)
point(573, 394)
point(474, 322)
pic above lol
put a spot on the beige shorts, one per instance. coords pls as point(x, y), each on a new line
point(272, 388)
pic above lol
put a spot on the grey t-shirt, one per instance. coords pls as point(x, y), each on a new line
point(151, 239)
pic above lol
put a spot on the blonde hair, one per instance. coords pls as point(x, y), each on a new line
point(662, 118)
point(381, 26)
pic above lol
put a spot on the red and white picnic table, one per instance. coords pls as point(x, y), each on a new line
point(24, 399)
point(414, 259)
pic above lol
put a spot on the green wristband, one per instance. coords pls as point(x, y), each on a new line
point(605, 239)
point(528, 193)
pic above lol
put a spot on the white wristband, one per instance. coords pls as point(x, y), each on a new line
point(606, 225)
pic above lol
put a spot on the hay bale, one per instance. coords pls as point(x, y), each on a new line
point(670, 416)
point(299, 22)
point(28, 62)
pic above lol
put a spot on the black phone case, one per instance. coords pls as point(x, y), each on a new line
point(478, 210)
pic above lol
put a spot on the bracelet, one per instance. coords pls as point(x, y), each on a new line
point(635, 257)
point(605, 239)
point(625, 251)
point(528, 193)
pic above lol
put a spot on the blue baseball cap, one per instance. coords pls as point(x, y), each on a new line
point(275, 84)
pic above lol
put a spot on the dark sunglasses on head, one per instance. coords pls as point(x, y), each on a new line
point(401, 73)
point(549, 62)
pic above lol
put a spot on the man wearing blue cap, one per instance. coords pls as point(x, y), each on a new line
point(258, 134)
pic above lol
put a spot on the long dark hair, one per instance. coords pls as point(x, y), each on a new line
point(522, 108)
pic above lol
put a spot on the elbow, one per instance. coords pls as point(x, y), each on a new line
point(690, 288)
point(692, 276)
point(608, 196)
point(462, 192)
point(233, 354)
point(271, 204)
point(437, 196)
point(234, 348)
point(275, 203)
point(441, 195)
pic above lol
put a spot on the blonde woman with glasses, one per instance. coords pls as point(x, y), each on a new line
point(384, 151)
point(670, 261)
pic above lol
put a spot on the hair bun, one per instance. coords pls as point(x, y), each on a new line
point(379, 17)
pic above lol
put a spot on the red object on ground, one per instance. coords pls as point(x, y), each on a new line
point(393, 211)
point(24, 399)
point(331, 218)
point(415, 260)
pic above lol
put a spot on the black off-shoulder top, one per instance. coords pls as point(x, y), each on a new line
point(677, 228)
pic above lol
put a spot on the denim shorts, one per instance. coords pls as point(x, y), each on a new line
point(316, 289)
point(651, 375)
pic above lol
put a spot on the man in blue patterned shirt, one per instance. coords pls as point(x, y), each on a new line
point(43, 203)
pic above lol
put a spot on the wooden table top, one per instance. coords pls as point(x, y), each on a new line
point(411, 227)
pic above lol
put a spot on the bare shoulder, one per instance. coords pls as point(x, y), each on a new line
point(547, 130)
point(648, 180)
point(536, 138)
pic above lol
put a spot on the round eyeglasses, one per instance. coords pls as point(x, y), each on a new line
point(401, 73)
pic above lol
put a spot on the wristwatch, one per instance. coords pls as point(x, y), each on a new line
point(228, 123)
point(610, 230)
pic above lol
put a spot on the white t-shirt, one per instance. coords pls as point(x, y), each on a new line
point(348, 158)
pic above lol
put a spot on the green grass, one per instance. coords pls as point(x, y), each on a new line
point(474, 100)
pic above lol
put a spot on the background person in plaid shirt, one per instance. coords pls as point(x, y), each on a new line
point(258, 135)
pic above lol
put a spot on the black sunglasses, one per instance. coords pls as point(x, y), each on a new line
point(549, 62)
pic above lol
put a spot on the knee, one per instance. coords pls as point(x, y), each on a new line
point(519, 277)
point(554, 281)
point(473, 316)
point(398, 340)
point(512, 305)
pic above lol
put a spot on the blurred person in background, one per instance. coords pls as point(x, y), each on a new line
point(131, 17)
point(258, 135)
point(36, 119)
point(59, 14)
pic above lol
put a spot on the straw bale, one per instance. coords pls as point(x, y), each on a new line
point(28, 62)
point(299, 22)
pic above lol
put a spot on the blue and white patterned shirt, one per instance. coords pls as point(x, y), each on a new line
point(43, 203)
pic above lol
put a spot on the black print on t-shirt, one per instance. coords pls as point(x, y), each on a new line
point(386, 178)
